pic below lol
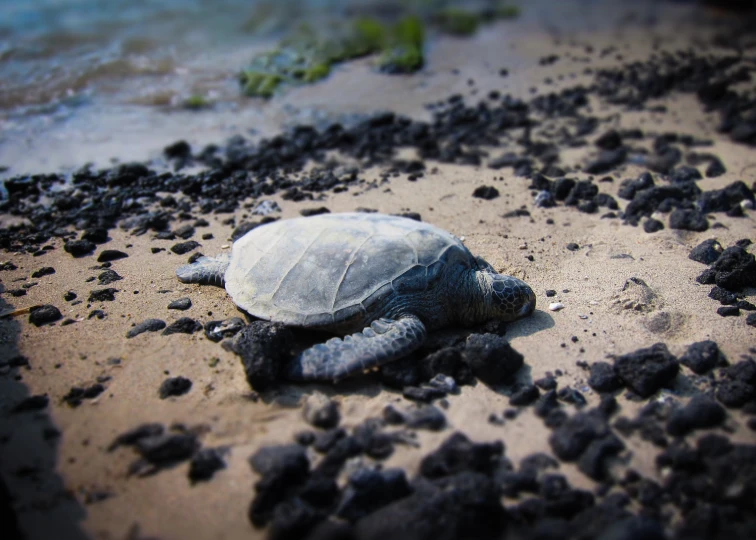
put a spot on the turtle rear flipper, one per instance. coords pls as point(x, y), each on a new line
point(205, 271)
point(383, 341)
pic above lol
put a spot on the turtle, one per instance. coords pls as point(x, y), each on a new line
point(379, 282)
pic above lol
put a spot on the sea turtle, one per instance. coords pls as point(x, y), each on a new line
point(382, 281)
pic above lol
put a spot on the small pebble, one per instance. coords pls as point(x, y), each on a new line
point(556, 306)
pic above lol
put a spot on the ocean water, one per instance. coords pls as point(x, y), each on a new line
point(93, 80)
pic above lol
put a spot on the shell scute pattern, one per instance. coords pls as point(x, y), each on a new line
point(322, 273)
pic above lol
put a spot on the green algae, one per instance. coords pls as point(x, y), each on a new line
point(310, 52)
point(196, 102)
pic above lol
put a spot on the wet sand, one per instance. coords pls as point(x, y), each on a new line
point(589, 282)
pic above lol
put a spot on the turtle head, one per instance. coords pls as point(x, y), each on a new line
point(507, 298)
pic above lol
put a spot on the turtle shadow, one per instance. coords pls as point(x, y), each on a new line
point(538, 321)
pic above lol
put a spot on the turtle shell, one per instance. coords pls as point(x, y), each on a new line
point(325, 270)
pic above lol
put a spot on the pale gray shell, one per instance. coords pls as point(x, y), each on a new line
point(323, 270)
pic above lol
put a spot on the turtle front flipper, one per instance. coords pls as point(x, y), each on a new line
point(383, 341)
point(205, 271)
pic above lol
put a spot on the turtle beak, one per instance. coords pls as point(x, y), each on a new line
point(529, 306)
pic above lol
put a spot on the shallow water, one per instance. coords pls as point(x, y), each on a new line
point(91, 80)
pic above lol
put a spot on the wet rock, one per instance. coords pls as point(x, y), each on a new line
point(44, 315)
point(184, 325)
point(457, 453)
point(265, 350)
point(688, 220)
point(102, 295)
point(181, 304)
point(149, 325)
point(44, 271)
point(109, 255)
point(702, 357)
point(492, 358)
point(369, 489)
point(108, 276)
point(321, 412)
point(79, 248)
point(174, 386)
point(184, 247)
point(604, 378)
point(486, 192)
point(647, 370)
point(76, 395)
point(701, 412)
point(205, 463)
point(218, 330)
point(524, 395)
point(706, 252)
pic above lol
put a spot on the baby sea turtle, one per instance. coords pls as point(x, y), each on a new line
point(382, 281)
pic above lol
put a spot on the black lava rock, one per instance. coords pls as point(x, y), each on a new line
point(76, 395)
point(728, 311)
point(174, 386)
point(181, 304)
point(44, 271)
point(458, 453)
point(425, 417)
point(468, 501)
point(184, 325)
point(734, 269)
point(44, 315)
point(688, 220)
point(218, 330)
point(702, 357)
point(205, 464)
point(314, 211)
point(572, 246)
point(706, 252)
point(69, 296)
point(184, 247)
point(423, 394)
point(722, 200)
point(31, 403)
point(715, 169)
point(647, 370)
point(572, 437)
point(369, 489)
point(168, 448)
point(108, 276)
point(701, 412)
point(606, 161)
point(321, 412)
point(486, 192)
point(609, 140)
point(492, 358)
point(132, 436)
point(109, 255)
point(149, 325)
point(79, 248)
point(524, 395)
point(604, 378)
point(652, 225)
point(102, 295)
point(265, 350)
